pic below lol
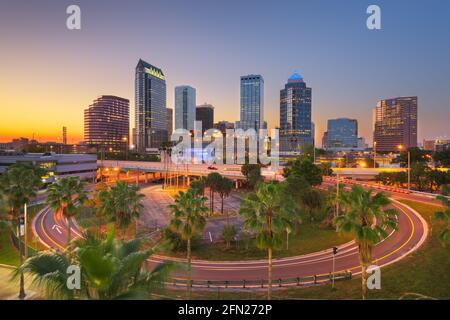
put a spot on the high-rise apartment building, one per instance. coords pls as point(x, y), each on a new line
point(106, 123)
point(185, 101)
point(169, 121)
point(252, 102)
point(296, 129)
point(342, 134)
point(395, 123)
point(150, 129)
point(205, 114)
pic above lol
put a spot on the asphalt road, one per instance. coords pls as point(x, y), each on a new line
point(51, 229)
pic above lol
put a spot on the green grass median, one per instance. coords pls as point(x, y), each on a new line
point(424, 272)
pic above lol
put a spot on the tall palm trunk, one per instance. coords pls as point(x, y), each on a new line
point(189, 268)
point(69, 232)
point(22, 281)
point(211, 201)
point(365, 257)
point(269, 289)
point(364, 280)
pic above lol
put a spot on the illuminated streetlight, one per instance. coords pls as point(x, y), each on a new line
point(400, 148)
point(125, 139)
point(374, 154)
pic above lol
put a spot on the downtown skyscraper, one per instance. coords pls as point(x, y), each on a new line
point(252, 103)
point(150, 129)
point(107, 123)
point(185, 101)
point(395, 124)
point(342, 134)
point(296, 128)
point(205, 114)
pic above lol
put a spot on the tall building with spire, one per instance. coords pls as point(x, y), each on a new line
point(296, 128)
point(150, 123)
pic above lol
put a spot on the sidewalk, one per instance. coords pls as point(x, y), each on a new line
point(10, 289)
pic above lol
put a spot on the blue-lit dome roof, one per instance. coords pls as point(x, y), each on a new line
point(295, 76)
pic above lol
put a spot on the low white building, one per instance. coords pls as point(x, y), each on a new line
point(58, 166)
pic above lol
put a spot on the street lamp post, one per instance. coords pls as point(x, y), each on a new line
point(409, 170)
point(374, 154)
point(400, 147)
point(125, 139)
point(102, 156)
point(337, 195)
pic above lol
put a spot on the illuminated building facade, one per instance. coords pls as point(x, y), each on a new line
point(150, 121)
point(106, 123)
point(64, 135)
point(57, 166)
point(296, 128)
point(395, 123)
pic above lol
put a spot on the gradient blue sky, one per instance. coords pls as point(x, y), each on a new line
point(49, 74)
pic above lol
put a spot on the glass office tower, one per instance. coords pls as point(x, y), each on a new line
point(205, 114)
point(150, 107)
point(342, 134)
point(252, 102)
point(185, 101)
point(295, 115)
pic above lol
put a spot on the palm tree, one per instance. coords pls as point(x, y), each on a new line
point(199, 186)
point(66, 195)
point(366, 217)
point(188, 220)
point(212, 182)
point(224, 188)
point(19, 184)
point(110, 269)
point(444, 215)
point(3, 209)
point(121, 203)
point(268, 213)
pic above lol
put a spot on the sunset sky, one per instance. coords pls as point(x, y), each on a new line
point(49, 74)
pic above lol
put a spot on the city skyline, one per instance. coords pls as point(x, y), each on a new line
point(87, 76)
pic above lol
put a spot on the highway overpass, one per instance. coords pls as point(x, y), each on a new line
point(232, 171)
